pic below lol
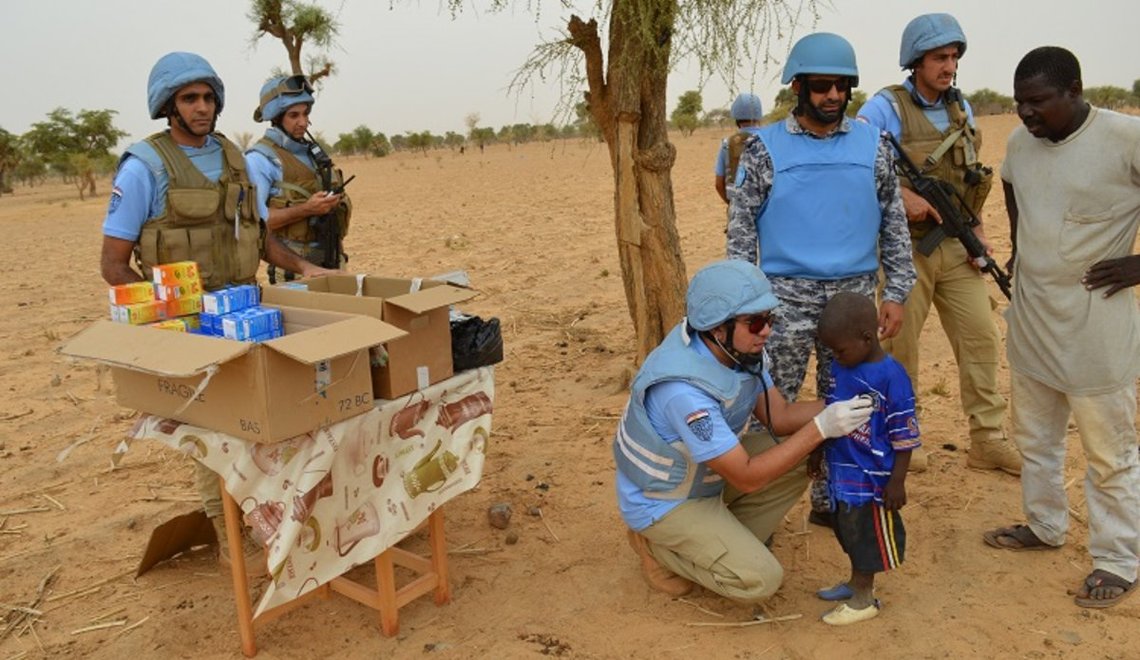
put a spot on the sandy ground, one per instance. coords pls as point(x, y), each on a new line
point(533, 227)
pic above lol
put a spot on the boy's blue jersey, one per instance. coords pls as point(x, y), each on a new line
point(860, 464)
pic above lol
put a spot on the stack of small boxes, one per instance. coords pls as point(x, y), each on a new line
point(171, 302)
point(234, 313)
point(175, 301)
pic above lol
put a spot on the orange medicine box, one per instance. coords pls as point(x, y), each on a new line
point(183, 306)
point(139, 313)
point(177, 273)
point(135, 292)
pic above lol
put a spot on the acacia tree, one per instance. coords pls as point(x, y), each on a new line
point(625, 71)
point(294, 24)
point(77, 146)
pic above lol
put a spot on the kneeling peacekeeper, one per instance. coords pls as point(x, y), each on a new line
point(935, 126)
point(680, 440)
point(292, 187)
point(183, 195)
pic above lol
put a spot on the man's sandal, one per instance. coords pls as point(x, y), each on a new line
point(1016, 538)
point(1103, 580)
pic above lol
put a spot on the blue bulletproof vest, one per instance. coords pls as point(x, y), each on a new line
point(665, 470)
point(821, 219)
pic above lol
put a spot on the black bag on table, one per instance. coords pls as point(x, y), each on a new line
point(475, 343)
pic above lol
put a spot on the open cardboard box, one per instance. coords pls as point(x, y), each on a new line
point(413, 363)
point(317, 374)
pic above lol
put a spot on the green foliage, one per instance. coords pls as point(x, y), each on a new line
point(423, 141)
point(719, 117)
point(77, 146)
point(858, 98)
point(1136, 90)
point(584, 122)
point(9, 158)
point(1109, 97)
point(686, 116)
point(452, 140)
point(294, 24)
point(482, 136)
point(986, 101)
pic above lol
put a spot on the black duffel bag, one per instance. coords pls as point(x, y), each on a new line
point(475, 343)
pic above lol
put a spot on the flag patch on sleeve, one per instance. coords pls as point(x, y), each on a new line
point(116, 197)
point(700, 423)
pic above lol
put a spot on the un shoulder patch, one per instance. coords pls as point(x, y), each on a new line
point(116, 197)
point(700, 423)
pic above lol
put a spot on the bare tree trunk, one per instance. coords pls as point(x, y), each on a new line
point(632, 120)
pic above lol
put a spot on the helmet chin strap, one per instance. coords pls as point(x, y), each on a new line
point(746, 361)
point(172, 111)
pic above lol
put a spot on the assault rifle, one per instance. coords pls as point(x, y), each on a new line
point(327, 226)
point(941, 196)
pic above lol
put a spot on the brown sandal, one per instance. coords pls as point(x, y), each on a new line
point(1101, 579)
point(1016, 538)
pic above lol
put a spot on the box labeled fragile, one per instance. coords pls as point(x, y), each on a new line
point(419, 307)
point(317, 374)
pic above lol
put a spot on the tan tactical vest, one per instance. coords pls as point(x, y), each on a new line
point(945, 155)
point(735, 149)
point(297, 185)
point(214, 224)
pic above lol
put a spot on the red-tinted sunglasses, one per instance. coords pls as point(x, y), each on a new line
point(757, 322)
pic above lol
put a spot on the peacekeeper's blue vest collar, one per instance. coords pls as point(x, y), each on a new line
point(661, 469)
point(279, 138)
point(821, 219)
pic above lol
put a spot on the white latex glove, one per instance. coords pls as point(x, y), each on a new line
point(843, 417)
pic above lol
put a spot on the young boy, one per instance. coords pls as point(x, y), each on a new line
point(868, 466)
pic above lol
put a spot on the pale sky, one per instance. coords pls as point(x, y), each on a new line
point(410, 67)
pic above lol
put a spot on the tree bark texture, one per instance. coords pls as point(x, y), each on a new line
point(627, 99)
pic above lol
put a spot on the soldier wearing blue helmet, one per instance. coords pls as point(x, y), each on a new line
point(183, 195)
point(293, 177)
point(817, 207)
point(747, 113)
point(700, 495)
point(935, 126)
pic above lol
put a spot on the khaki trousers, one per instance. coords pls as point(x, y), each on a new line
point(718, 542)
point(206, 483)
point(1106, 424)
point(960, 294)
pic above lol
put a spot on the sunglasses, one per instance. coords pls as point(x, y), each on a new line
point(820, 86)
point(757, 322)
point(294, 85)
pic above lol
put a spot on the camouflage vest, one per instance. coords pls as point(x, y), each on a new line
point(298, 183)
point(214, 224)
point(950, 155)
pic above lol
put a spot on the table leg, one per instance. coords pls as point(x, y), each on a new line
point(237, 572)
point(386, 594)
point(439, 556)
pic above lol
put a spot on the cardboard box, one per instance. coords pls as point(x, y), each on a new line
point(418, 360)
point(315, 375)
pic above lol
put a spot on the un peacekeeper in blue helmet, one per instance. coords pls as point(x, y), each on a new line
point(143, 227)
point(692, 485)
point(747, 112)
point(291, 190)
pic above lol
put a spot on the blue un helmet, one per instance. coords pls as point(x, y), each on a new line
point(725, 289)
point(747, 107)
point(174, 71)
point(822, 53)
point(279, 93)
point(927, 32)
